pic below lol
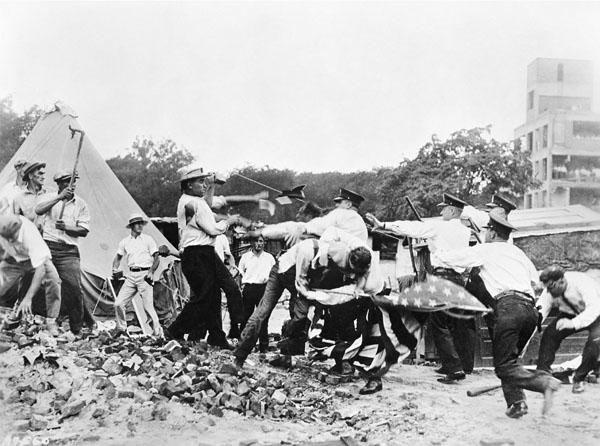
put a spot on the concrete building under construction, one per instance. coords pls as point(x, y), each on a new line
point(562, 134)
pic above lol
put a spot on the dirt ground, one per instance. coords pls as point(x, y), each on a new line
point(412, 409)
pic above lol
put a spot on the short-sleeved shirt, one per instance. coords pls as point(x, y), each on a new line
point(138, 250)
point(28, 245)
point(76, 213)
point(25, 203)
point(7, 197)
point(255, 268)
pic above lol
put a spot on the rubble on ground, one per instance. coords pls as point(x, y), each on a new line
point(91, 377)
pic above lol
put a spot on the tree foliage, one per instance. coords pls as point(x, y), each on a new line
point(149, 172)
point(14, 128)
point(469, 164)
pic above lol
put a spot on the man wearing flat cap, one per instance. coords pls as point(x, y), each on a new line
point(510, 277)
point(141, 254)
point(577, 298)
point(11, 190)
point(34, 175)
point(454, 338)
point(66, 219)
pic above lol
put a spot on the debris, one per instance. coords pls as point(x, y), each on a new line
point(72, 409)
point(496, 442)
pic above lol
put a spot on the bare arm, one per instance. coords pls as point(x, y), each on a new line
point(25, 306)
point(117, 262)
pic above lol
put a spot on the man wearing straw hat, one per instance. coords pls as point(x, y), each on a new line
point(199, 262)
point(66, 220)
point(141, 254)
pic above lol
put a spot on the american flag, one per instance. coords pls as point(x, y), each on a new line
point(432, 294)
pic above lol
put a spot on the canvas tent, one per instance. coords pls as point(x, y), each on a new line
point(108, 201)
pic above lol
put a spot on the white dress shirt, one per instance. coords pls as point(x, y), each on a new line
point(28, 245)
point(347, 220)
point(255, 268)
point(76, 213)
point(503, 266)
point(441, 235)
point(138, 250)
point(583, 297)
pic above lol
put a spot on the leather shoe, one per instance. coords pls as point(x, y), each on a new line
point(516, 410)
point(343, 368)
point(282, 361)
point(373, 385)
point(441, 371)
point(222, 345)
point(451, 378)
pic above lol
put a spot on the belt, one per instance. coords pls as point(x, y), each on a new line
point(135, 269)
point(515, 293)
point(441, 270)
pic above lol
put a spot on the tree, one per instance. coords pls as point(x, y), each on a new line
point(470, 165)
point(14, 128)
point(149, 172)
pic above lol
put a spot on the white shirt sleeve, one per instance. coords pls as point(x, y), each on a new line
point(463, 258)
point(218, 201)
point(413, 229)
point(36, 247)
point(318, 225)
point(152, 248)
point(588, 290)
point(83, 217)
point(121, 248)
point(242, 264)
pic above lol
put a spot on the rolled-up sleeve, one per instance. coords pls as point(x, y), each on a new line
point(588, 290)
point(83, 216)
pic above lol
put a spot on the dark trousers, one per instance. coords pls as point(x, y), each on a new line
point(198, 266)
point(552, 338)
point(516, 320)
point(252, 293)
point(277, 283)
point(338, 320)
point(223, 281)
point(67, 263)
point(454, 338)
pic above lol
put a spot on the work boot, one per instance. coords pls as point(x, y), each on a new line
point(343, 368)
point(52, 326)
point(578, 387)
point(452, 378)
point(373, 385)
point(282, 361)
point(222, 345)
point(516, 410)
point(552, 386)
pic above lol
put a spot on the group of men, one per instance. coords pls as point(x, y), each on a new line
point(337, 293)
point(39, 251)
point(39, 233)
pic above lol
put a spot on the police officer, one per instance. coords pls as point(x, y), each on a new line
point(454, 338)
point(509, 276)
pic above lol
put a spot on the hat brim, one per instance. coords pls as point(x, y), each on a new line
point(442, 204)
point(145, 222)
point(193, 177)
point(340, 199)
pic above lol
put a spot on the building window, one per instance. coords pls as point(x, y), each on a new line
point(586, 129)
point(544, 198)
point(560, 73)
point(530, 100)
point(536, 169)
point(545, 136)
point(544, 169)
point(530, 141)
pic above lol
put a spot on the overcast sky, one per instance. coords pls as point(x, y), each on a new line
point(309, 86)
